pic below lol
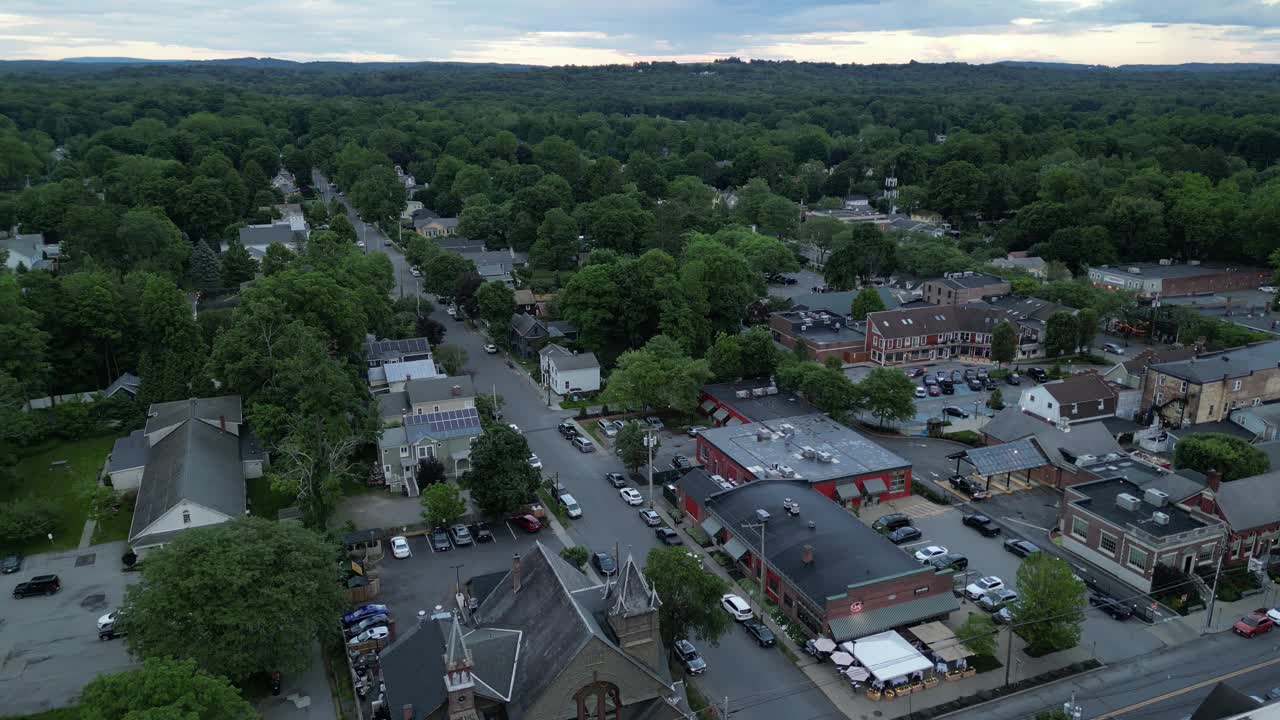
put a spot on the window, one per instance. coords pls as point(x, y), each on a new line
point(773, 584)
point(1102, 404)
point(1107, 543)
point(437, 408)
point(1211, 411)
point(599, 701)
point(1257, 402)
point(404, 451)
point(1074, 409)
point(422, 451)
point(186, 517)
point(386, 469)
point(1137, 557)
point(898, 481)
point(1183, 387)
point(787, 601)
point(1080, 528)
point(1159, 398)
point(1205, 553)
point(417, 411)
point(1050, 406)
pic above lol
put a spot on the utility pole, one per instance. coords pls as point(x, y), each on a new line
point(649, 441)
point(764, 572)
point(726, 706)
point(457, 576)
point(1008, 657)
point(1213, 595)
point(1073, 709)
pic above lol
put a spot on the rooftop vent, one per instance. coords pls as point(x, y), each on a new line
point(792, 507)
point(1127, 501)
point(743, 394)
point(1156, 497)
point(787, 471)
point(763, 434)
point(771, 390)
point(824, 456)
point(806, 554)
point(1160, 518)
point(808, 452)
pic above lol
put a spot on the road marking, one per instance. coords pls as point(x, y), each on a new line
point(1024, 522)
point(511, 530)
point(1197, 686)
point(933, 473)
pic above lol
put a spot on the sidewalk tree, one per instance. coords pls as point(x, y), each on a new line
point(690, 595)
point(500, 478)
point(1004, 342)
point(996, 400)
point(496, 303)
point(576, 556)
point(163, 687)
point(888, 395)
point(1234, 457)
point(451, 358)
point(1086, 328)
point(657, 376)
point(867, 300)
point(442, 503)
point(631, 447)
point(978, 633)
point(1050, 606)
point(200, 592)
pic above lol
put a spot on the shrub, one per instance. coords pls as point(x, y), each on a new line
point(26, 519)
point(576, 556)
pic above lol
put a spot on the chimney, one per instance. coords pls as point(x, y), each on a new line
point(222, 422)
point(1209, 498)
point(407, 712)
point(1214, 479)
point(515, 572)
point(456, 391)
point(806, 554)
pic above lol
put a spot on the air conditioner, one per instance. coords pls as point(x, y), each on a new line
point(771, 390)
point(1127, 501)
point(1156, 497)
point(807, 452)
point(787, 471)
point(824, 456)
point(757, 392)
point(1160, 518)
point(743, 394)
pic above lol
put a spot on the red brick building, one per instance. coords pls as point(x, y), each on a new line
point(825, 333)
point(836, 461)
point(738, 403)
point(1251, 510)
point(1170, 279)
point(927, 334)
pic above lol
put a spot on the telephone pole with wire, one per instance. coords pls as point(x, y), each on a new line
point(764, 567)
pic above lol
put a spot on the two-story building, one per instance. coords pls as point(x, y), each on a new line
point(961, 287)
point(565, 371)
point(1031, 318)
point(1126, 530)
point(420, 397)
point(1249, 507)
point(381, 352)
point(1206, 388)
point(926, 334)
point(834, 459)
point(1169, 279)
point(825, 333)
point(752, 400)
point(1130, 372)
point(1080, 398)
point(822, 566)
point(445, 436)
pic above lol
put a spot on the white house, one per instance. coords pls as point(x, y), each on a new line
point(25, 250)
point(1079, 398)
point(565, 371)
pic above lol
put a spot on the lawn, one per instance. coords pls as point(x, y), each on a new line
point(65, 485)
point(265, 502)
point(114, 528)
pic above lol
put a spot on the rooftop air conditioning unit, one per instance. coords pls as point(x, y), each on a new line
point(1158, 498)
point(763, 434)
point(787, 471)
point(1127, 501)
point(788, 429)
point(792, 507)
point(757, 392)
point(824, 456)
point(743, 394)
point(1160, 518)
point(807, 452)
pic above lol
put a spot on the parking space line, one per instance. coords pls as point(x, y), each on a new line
point(511, 530)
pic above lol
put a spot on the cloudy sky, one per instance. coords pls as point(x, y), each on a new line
point(592, 32)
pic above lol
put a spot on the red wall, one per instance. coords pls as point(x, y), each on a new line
point(717, 463)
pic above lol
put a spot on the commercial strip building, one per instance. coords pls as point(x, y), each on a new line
point(835, 460)
point(826, 333)
point(961, 287)
point(745, 401)
point(1169, 279)
point(926, 334)
point(822, 566)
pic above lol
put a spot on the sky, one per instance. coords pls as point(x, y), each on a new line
point(595, 32)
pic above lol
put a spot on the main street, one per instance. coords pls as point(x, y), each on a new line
point(759, 683)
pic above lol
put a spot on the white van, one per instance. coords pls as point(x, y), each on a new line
point(571, 505)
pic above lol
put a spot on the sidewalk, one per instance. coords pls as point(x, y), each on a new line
point(302, 697)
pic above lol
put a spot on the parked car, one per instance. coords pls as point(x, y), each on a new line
point(363, 612)
point(688, 656)
point(1003, 616)
point(1112, 348)
point(650, 517)
point(567, 429)
point(1013, 378)
point(1038, 374)
point(583, 444)
point(929, 380)
point(934, 391)
point(481, 532)
point(925, 554)
point(982, 524)
point(950, 561)
point(736, 606)
point(1274, 614)
point(631, 496)
point(603, 562)
point(955, 412)
point(527, 523)
point(571, 506)
point(982, 586)
point(693, 431)
point(948, 387)
point(616, 479)
point(415, 272)
point(942, 375)
point(997, 599)
point(761, 632)
point(514, 427)
point(1110, 605)
point(890, 522)
point(921, 392)
point(1253, 624)
point(915, 372)
point(461, 535)
point(655, 422)
point(365, 624)
point(974, 384)
point(904, 534)
point(38, 585)
point(400, 547)
point(11, 563)
point(491, 348)
point(680, 462)
point(607, 427)
point(969, 486)
point(1021, 548)
point(440, 540)
point(380, 632)
point(108, 626)
point(989, 384)
point(668, 536)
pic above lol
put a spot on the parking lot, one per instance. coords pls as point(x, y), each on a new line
point(49, 646)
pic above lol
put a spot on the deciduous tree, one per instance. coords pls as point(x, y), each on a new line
point(658, 376)
point(1050, 605)
point(1234, 457)
point(496, 303)
point(632, 448)
point(442, 503)
point(690, 596)
point(163, 687)
point(867, 301)
point(500, 478)
point(1004, 342)
point(888, 395)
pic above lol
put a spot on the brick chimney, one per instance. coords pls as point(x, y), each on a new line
point(1214, 479)
point(407, 712)
point(1209, 498)
point(456, 391)
point(806, 554)
point(515, 572)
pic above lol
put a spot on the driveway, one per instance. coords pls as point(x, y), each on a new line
point(49, 646)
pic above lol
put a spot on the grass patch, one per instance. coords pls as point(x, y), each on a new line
point(64, 485)
point(698, 704)
point(114, 528)
point(984, 663)
point(561, 512)
point(265, 502)
point(968, 437)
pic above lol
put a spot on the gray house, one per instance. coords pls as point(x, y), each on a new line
point(528, 334)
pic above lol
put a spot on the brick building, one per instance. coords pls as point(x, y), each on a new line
point(738, 403)
point(1170, 279)
point(961, 287)
point(836, 461)
point(1117, 525)
point(825, 333)
point(1068, 455)
point(822, 566)
point(1251, 510)
point(925, 334)
point(1206, 388)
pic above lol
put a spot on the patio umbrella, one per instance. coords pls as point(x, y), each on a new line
point(858, 673)
point(825, 645)
point(842, 658)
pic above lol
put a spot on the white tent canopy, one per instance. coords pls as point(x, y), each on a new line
point(889, 656)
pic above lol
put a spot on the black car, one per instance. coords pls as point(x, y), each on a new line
point(1013, 379)
point(974, 384)
point(950, 561)
point(948, 387)
point(1021, 548)
point(440, 540)
point(890, 522)
point(688, 656)
point(982, 524)
point(970, 373)
point(11, 564)
point(904, 534)
point(1110, 606)
point(604, 563)
point(1037, 374)
point(38, 585)
point(481, 532)
point(955, 412)
point(668, 536)
point(680, 462)
point(969, 486)
point(989, 384)
point(760, 632)
point(567, 430)
point(616, 479)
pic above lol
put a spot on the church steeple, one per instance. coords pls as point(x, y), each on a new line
point(634, 616)
point(458, 680)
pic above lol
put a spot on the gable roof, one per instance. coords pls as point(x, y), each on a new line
point(214, 409)
point(440, 388)
point(934, 319)
point(280, 232)
point(968, 280)
point(1138, 363)
point(413, 671)
point(525, 324)
point(442, 425)
point(401, 371)
point(1008, 424)
point(196, 462)
point(129, 452)
point(1250, 502)
point(1027, 308)
point(393, 405)
point(127, 382)
point(1082, 439)
point(1079, 388)
point(1233, 363)
point(565, 359)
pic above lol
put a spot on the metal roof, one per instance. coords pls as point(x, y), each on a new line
point(1006, 457)
point(735, 548)
point(765, 448)
point(1215, 367)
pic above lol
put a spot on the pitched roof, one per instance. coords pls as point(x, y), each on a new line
point(633, 596)
point(523, 296)
point(561, 328)
point(1252, 501)
point(565, 359)
point(1060, 446)
point(214, 409)
point(279, 232)
point(1027, 308)
point(525, 324)
point(395, 349)
point(968, 280)
point(1233, 363)
point(442, 425)
point(413, 670)
point(934, 319)
point(401, 371)
point(1008, 424)
point(196, 462)
point(127, 382)
point(129, 452)
point(1083, 387)
point(1138, 363)
point(393, 405)
point(440, 388)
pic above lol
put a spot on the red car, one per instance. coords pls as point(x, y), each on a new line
point(1255, 623)
point(528, 523)
point(934, 391)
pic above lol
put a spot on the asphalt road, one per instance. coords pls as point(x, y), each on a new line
point(373, 238)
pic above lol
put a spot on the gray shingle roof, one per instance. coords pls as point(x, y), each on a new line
point(195, 462)
point(393, 405)
point(1009, 424)
point(162, 415)
point(1233, 363)
point(129, 452)
point(1083, 387)
point(1018, 308)
point(565, 359)
point(526, 325)
point(422, 391)
point(413, 670)
point(1252, 501)
point(969, 280)
point(127, 382)
point(266, 234)
point(934, 319)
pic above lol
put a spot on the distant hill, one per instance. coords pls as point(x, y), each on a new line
point(1184, 67)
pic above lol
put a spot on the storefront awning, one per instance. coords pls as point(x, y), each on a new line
point(735, 548)
point(875, 486)
point(870, 622)
point(848, 491)
point(707, 405)
point(711, 526)
point(720, 414)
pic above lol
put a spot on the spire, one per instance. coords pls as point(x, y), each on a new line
point(458, 681)
point(634, 594)
point(458, 656)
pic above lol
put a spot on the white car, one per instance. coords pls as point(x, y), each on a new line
point(415, 272)
point(374, 633)
point(736, 606)
point(491, 349)
point(924, 555)
point(1268, 288)
point(1273, 613)
point(630, 496)
point(607, 427)
point(360, 244)
point(514, 426)
point(108, 620)
point(982, 586)
point(534, 462)
point(400, 547)
point(920, 392)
